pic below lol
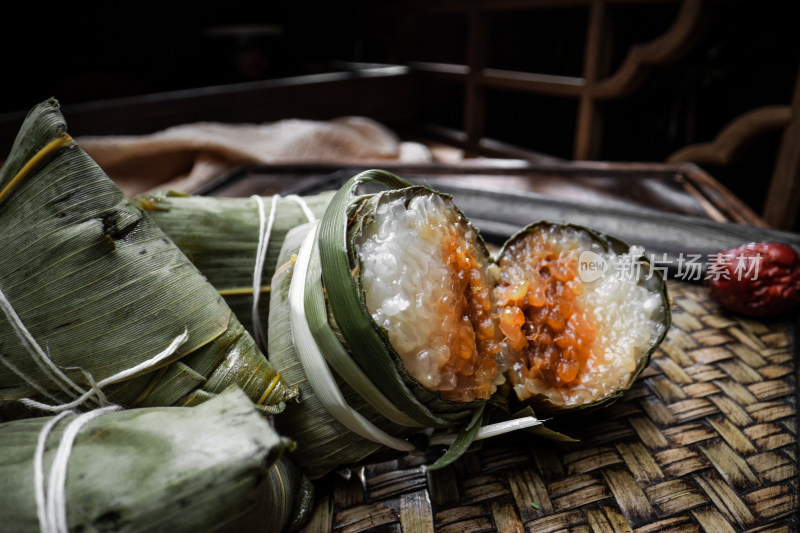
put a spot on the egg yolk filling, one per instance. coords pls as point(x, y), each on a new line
point(549, 335)
point(468, 325)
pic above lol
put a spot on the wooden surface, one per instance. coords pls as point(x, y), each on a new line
point(783, 193)
point(595, 85)
point(734, 137)
point(783, 197)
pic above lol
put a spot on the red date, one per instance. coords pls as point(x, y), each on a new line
point(759, 279)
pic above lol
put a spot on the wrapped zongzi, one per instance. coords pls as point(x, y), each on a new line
point(98, 305)
point(218, 466)
point(234, 242)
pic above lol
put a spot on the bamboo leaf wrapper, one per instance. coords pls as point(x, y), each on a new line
point(215, 467)
point(221, 236)
point(98, 289)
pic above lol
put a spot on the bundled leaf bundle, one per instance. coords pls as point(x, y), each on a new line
point(234, 242)
point(218, 466)
point(99, 305)
point(401, 331)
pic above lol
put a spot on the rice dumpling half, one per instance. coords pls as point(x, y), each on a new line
point(580, 311)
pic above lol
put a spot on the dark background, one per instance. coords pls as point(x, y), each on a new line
point(80, 52)
point(747, 57)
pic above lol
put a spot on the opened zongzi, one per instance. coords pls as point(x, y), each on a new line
point(398, 326)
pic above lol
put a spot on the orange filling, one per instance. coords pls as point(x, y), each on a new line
point(542, 317)
point(469, 327)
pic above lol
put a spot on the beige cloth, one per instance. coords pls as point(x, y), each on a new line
point(185, 157)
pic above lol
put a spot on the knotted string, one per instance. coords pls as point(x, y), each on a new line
point(60, 379)
point(96, 387)
point(51, 497)
point(264, 232)
point(51, 500)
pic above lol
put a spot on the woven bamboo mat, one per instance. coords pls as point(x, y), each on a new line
point(704, 441)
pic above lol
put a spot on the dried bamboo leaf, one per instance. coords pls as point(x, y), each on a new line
point(218, 466)
point(100, 289)
point(221, 237)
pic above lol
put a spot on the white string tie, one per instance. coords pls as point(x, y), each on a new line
point(303, 205)
point(96, 387)
point(264, 232)
point(39, 356)
point(266, 223)
point(55, 374)
point(51, 498)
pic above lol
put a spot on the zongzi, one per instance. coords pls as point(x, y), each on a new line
point(234, 242)
point(216, 467)
point(580, 313)
point(99, 305)
point(398, 326)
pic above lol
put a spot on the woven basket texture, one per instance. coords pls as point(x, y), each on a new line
point(705, 440)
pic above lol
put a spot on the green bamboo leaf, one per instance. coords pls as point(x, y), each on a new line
point(369, 348)
point(218, 466)
point(99, 289)
point(336, 355)
point(542, 430)
point(462, 442)
point(323, 443)
point(220, 236)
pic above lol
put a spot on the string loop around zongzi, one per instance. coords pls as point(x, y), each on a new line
point(264, 233)
point(56, 374)
point(51, 498)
